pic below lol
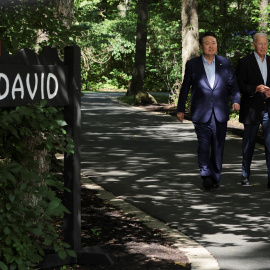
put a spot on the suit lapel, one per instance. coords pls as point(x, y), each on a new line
point(268, 70)
point(218, 67)
point(254, 63)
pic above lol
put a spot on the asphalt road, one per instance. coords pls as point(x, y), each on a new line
point(150, 160)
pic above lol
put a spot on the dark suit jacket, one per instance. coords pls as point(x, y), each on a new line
point(204, 99)
point(248, 75)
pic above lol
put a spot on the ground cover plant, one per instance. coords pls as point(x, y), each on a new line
point(30, 177)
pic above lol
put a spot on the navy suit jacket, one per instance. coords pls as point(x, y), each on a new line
point(204, 99)
point(253, 105)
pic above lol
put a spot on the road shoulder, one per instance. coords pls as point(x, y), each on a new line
point(199, 257)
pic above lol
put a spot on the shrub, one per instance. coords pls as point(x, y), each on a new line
point(29, 199)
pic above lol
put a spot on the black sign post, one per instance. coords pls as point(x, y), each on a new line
point(29, 78)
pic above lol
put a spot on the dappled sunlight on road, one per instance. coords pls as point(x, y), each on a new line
point(150, 160)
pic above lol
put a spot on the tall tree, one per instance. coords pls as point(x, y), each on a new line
point(64, 11)
point(122, 8)
point(65, 8)
point(223, 38)
point(140, 55)
point(190, 31)
point(263, 15)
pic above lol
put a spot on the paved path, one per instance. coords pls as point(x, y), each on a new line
point(150, 161)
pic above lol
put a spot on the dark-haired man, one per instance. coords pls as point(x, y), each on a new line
point(212, 80)
point(253, 75)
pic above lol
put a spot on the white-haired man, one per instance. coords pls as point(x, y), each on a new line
point(253, 76)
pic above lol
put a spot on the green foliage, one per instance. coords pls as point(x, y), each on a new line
point(28, 200)
point(107, 44)
point(234, 24)
point(21, 25)
point(164, 66)
point(108, 40)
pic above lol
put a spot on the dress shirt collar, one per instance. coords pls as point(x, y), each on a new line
point(258, 58)
point(206, 62)
point(210, 70)
point(262, 66)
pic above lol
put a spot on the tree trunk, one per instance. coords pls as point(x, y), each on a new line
point(65, 9)
point(263, 15)
point(140, 55)
point(122, 8)
point(190, 31)
point(224, 12)
point(65, 12)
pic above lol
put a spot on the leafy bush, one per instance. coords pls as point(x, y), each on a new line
point(30, 139)
point(28, 200)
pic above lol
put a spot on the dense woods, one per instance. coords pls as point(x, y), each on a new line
point(234, 22)
point(107, 33)
point(125, 44)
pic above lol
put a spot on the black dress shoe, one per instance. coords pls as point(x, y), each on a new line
point(215, 185)
point(207, 182)
point(245, 181)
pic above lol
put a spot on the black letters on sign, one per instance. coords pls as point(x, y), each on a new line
point(23, 84)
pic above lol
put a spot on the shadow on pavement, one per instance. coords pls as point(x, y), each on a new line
point(150, 160)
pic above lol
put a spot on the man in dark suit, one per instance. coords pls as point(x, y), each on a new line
point(213, 81)
point(253, 76)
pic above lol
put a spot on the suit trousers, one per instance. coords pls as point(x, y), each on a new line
point(211, 139)
point(248, 144)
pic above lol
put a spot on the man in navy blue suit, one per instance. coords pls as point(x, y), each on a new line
point(253, 75)
point(213, 81)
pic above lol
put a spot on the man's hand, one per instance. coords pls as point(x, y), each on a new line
point(267, 92)
point(262, 88)
point(180, 116)
point(236, 107)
